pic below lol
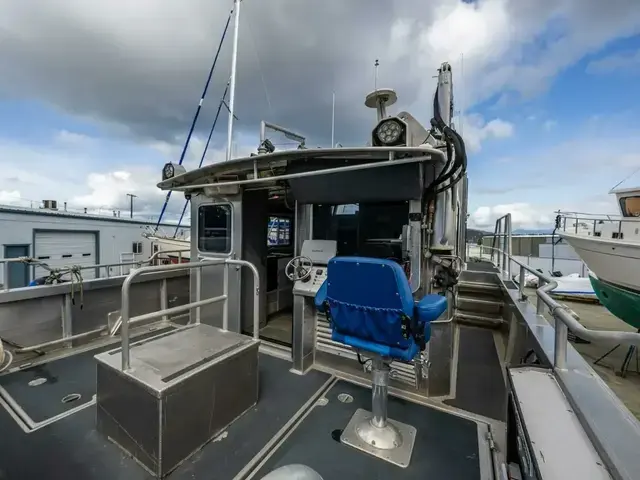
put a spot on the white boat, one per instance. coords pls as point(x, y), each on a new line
point(611, 249)
point(177, 249)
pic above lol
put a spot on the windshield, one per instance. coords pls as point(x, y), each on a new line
point(366, 229)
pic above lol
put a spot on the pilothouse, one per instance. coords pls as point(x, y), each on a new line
point(328, 325)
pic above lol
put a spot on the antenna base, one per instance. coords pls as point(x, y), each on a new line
point(380, 99)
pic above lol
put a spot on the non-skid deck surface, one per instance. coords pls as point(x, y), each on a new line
point(278, 329)
point(281, 395)
point(69, 375)
point(482, 266)
point(480, 384)
point(72, 448)
point(446, 446)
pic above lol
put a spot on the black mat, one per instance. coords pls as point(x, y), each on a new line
point(70, 375)
point(71, 448)
point(480, 385)
point(446, 446)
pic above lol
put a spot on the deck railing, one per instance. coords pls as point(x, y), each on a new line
point(564, 319)
point(502, 241)
point(591, 224)
point(197, 304)
point(107, 266)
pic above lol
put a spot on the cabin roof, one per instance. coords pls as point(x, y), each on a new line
point(626, 191)
point(61, 214)
point(265, 163)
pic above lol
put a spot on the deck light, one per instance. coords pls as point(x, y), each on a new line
point(171, 170)
point(389, 132)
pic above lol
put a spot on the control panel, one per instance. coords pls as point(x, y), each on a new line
point(319, 252)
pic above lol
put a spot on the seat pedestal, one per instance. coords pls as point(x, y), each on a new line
point(372, 432)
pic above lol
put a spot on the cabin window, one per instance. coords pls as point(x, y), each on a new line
point(366, 229)
point(630, 206)
point(214, 228)
point(137, 248)
point(279, 232)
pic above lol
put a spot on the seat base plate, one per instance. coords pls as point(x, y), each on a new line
point(360, 423)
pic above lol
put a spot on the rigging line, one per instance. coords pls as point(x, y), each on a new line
point(204, 152)
point(624, 179)
point(255, 51)
point(197, 114)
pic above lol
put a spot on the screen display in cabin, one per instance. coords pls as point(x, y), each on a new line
point(279, 232)
point(214, 228)
point(367, 229)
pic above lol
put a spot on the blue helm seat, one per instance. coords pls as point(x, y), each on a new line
point(370, 307)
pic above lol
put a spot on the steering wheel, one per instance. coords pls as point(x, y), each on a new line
point(298, 268)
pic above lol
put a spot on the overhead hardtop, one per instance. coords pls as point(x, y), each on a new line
point(269, 167)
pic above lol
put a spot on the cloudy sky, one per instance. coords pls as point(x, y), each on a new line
point(96, 96)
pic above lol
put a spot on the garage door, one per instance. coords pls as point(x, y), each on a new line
point(63, 249)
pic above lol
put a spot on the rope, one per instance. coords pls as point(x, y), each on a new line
point(56, 274)
point(204, 152)
point(624, 179)
point(197, 114)
point(255, 51)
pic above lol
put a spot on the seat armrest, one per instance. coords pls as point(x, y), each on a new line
point(321, 297)
point(430, 308)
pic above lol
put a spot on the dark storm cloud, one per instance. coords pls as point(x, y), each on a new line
point(140, 65)
point(146, 67)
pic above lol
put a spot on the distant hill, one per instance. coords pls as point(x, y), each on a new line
point(474, 235)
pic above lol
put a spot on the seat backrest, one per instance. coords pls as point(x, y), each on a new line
point(369, 298)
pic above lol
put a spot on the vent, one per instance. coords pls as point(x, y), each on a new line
point(50, 204)
point(400, 371)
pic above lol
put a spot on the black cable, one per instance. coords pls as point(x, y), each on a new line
point(455, 169)
point(360, 361)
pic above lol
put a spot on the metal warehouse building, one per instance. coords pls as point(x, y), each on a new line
point(62, 238)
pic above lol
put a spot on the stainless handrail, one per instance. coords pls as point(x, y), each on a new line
point(29, 260)
point(126, 286)
point(591, 222)
point(504, 236)
point(567, 320)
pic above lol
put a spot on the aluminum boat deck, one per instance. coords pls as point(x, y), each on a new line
point(298, 419)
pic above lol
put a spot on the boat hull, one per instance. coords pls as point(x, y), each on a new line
point(614, 273)
point(614, 261)
point(624, 303)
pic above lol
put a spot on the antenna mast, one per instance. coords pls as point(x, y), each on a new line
point(375, 74)
point(333, 120)
point(234, 65)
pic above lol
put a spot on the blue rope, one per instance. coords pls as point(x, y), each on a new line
point(206, 147)
point(195, 117)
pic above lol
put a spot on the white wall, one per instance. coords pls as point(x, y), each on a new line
point(566, 266)
point(115, 236)
point(563, 261)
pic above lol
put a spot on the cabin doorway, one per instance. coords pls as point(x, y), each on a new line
point(268, 243)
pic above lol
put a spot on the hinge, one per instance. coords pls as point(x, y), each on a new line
point(491, 441)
